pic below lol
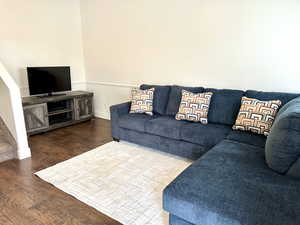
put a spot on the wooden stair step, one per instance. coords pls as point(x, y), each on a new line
point(5, 147)
point(8, 148)
point(7, 156)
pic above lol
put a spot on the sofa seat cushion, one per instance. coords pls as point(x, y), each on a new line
point(207, 135)
point(165, 126)
point(232, 185)
point(247, 138)
point(174, 220)
point(134, 121)
point(267, 96)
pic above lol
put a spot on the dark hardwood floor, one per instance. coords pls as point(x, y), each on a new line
point(27, 200)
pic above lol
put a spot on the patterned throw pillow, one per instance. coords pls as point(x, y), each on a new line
point(142, 101)
point(257, 116)
point(194, 107)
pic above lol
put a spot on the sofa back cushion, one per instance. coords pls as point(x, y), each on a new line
point(225, 105)
point(175, 97)
point(161, 97)
point(267, 96)
point(283, 143)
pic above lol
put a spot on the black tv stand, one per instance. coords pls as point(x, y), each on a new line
point(45, 113)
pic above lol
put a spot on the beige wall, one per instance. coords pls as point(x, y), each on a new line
point(245, 44)
point(234, 43)
point(41, 33)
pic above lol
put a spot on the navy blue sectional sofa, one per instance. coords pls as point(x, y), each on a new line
point(238, 178)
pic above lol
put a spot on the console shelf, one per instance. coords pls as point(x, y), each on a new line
point(48, 113)
point(59, 112)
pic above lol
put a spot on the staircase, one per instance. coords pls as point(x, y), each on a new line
point(8, 145)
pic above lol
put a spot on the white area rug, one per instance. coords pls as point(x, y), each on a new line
point(122, 180)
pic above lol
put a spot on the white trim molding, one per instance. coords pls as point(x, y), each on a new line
point(113, 84)
point(78, 82)
point(79, 85)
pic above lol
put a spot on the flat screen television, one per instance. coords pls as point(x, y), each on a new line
point(48, 80)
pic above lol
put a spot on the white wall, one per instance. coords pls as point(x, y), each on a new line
point(244, 44)
point(36, 33)
point(41, 33)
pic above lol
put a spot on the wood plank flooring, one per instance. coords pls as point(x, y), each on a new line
point(27, 200)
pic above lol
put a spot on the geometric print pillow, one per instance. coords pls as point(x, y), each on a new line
point(142, 101)
point(194, 107)
point(257, 116)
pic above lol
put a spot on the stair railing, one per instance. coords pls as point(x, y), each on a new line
point(11, 111)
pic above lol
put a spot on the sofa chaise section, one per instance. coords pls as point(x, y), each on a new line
point(232, 185)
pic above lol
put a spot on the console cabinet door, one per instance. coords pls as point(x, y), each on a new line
point(83, 107)
point(36, 117)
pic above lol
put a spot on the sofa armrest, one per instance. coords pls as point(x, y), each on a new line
point(283, 142)
point(115, 112)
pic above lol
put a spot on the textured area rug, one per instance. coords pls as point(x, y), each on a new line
point(122, 180)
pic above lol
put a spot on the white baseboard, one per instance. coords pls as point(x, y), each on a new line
point(124, 85)
point(102, 115)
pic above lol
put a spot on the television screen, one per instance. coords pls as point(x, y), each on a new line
point(46, 80)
